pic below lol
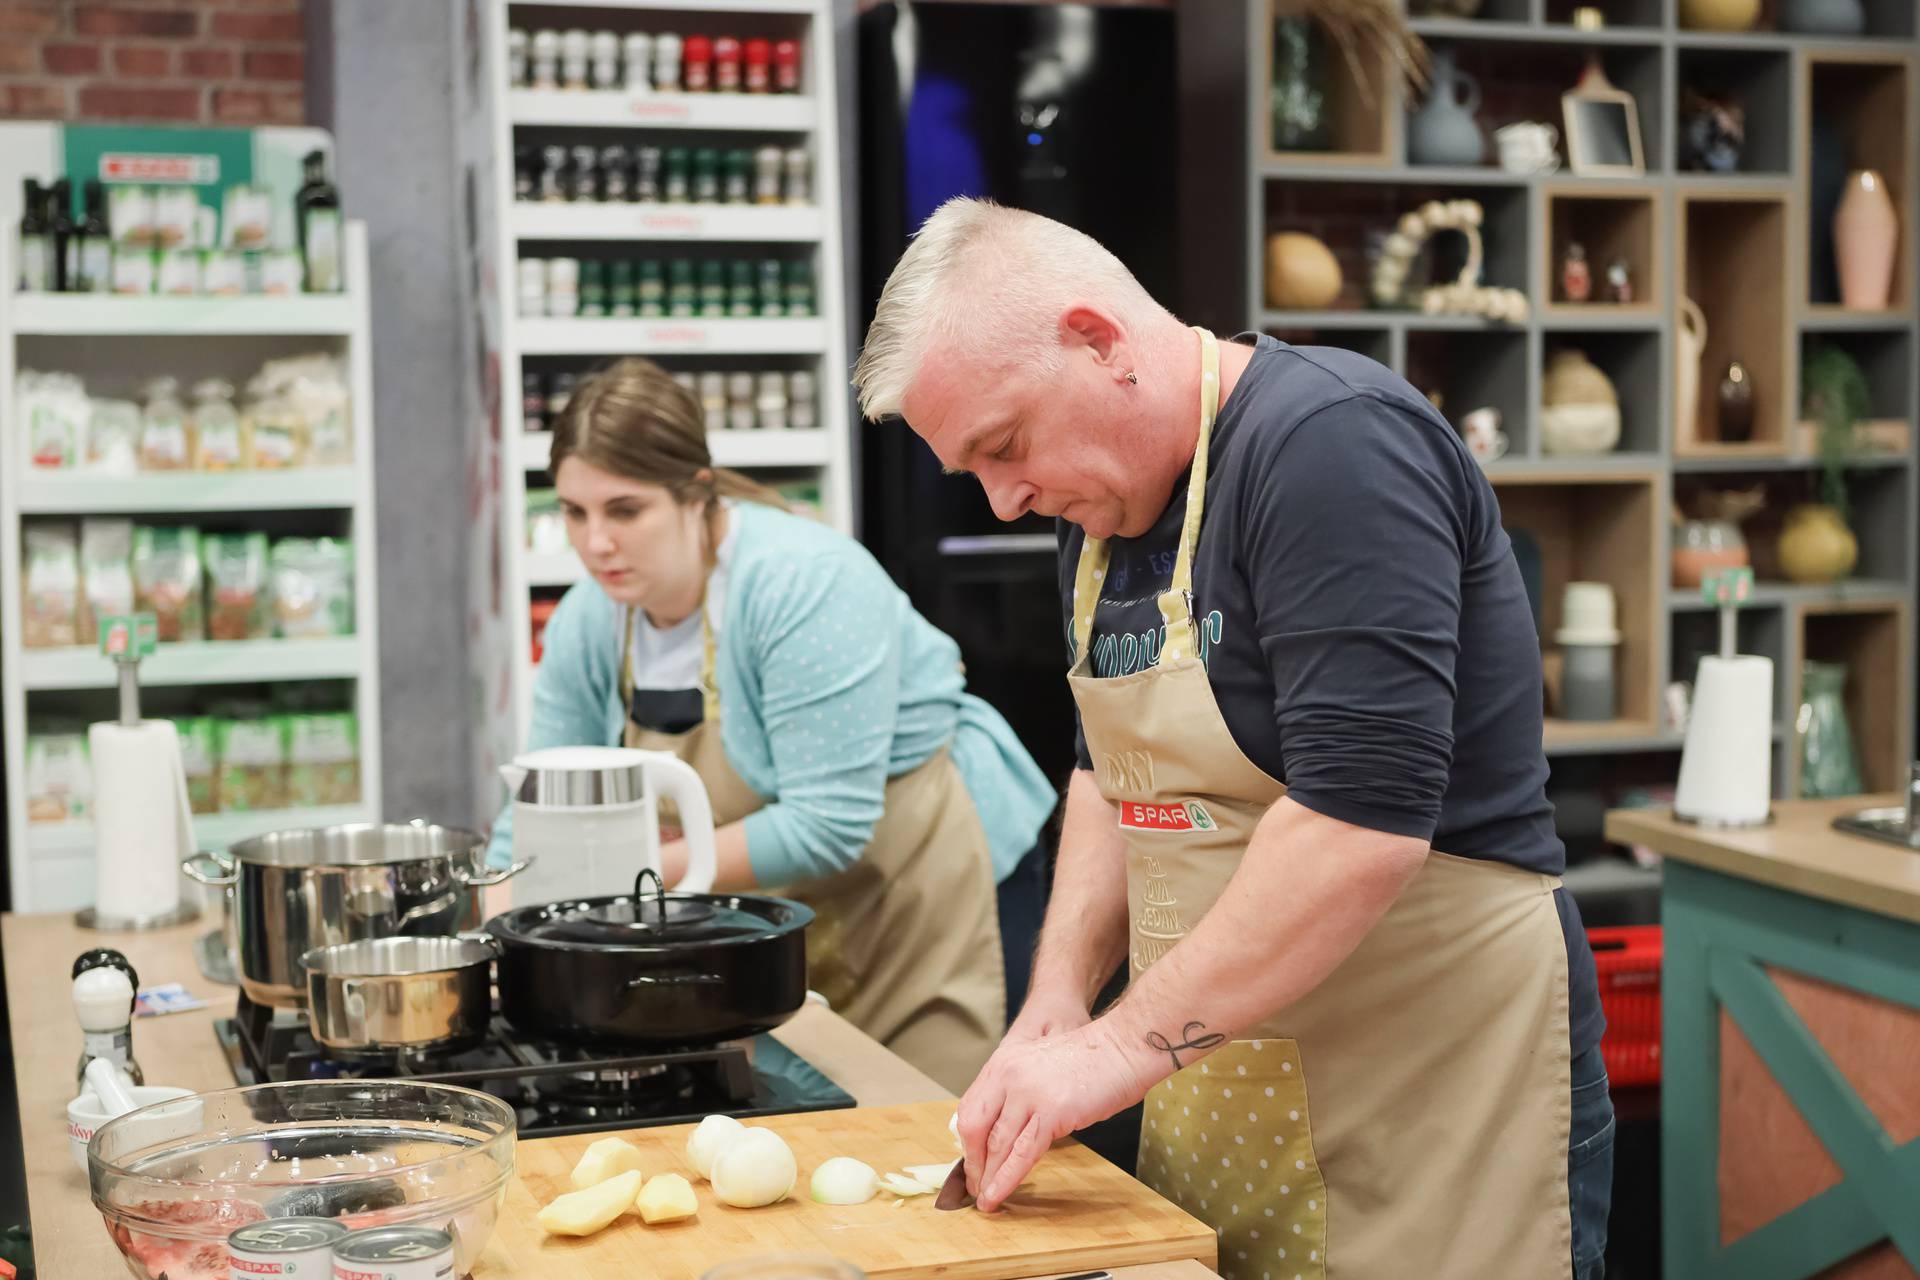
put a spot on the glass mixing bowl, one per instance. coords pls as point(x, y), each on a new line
point(174, 1179)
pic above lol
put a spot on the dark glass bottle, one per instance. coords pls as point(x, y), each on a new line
point(317, 210)
point(93, 254)
point(36, 241)
point(63, 231)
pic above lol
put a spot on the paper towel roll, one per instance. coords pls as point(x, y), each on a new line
point(1726, 767)
point(142, 826)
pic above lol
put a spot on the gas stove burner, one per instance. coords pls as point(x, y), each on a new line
point(557, 1088)
point(611, 1085)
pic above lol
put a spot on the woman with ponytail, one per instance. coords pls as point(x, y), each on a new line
point(847, 765)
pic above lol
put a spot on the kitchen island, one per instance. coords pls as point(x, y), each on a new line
point(1790, 1093)
point(70, 1242)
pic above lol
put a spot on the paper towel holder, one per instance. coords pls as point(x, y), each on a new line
point(126, 640)
point(1703, 791)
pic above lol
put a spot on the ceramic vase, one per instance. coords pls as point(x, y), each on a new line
point(1719, 15)
point(1816, 546)
point(1444, 130)
point(1866, 231)
point(1823, 17)
point(1690, 344)
point(1302, 273)
point(1829, 765)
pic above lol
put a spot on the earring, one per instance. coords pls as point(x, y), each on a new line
point(1133, 377)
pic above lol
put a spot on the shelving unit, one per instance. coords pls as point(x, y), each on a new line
point(1742, 244)
point(115, 343)
point(547, 345)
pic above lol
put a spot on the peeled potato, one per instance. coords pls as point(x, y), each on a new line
point(706, 1142)
point(667, 1197)
point(607, 1158)
point(755, 1169)
point(581, 1213)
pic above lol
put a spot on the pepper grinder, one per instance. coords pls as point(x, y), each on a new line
point(104, 986)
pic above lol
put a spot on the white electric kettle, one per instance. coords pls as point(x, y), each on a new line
point(590, 819)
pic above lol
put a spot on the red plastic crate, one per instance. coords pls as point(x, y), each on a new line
point(1627, 960)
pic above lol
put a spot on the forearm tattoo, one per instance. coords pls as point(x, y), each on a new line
point(1194, 1036)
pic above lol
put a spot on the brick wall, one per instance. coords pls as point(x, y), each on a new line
point(231, 62)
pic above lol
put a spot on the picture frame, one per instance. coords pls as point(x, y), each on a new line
point(1603, 132)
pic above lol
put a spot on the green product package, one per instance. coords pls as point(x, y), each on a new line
point(59, 777)
point(200, 759)
point(312, 583)
point(253, 764)
point(237, 586)
point(166, 579)
point(323, 753)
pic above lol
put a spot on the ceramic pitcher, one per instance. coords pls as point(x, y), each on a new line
point(1444, 130)
point(1866, 230)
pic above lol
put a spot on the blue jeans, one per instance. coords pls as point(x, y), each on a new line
point(1023, 905)
point(1590, 1165)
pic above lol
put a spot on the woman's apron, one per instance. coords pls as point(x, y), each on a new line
point(905, 943)
point(1435, 1057)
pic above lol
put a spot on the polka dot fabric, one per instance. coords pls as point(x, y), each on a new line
point(1228, 1140)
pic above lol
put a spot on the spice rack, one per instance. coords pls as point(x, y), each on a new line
point(1741, 243)
point(115, 342)
point(634, 115)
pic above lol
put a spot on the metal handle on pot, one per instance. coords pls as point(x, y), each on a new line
point(229, 872)
point(485, 939)
point(485, 879)
point(675, 980)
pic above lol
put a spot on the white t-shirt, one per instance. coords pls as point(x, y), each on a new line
point(669, 657)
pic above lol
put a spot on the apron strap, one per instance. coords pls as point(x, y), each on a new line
point(1176, 602)
point(709, 682)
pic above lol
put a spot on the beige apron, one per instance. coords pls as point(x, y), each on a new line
point(1435, 1058)
point(905, 943)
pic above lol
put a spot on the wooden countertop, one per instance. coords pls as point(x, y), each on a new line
point(1799, 851)
point(179, 1049)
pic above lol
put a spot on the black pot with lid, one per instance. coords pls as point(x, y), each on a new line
point(652, 968)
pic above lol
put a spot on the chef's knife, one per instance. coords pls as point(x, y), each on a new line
point(953, 1193)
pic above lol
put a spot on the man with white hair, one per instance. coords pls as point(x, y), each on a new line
point(1310, 807)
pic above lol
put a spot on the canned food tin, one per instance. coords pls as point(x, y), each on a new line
point(394, 1253)
point(300, 1247)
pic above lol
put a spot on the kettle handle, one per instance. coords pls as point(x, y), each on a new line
point(1472, 86)
point(678, 780)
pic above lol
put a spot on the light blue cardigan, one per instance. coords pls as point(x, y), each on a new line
point(830, 684)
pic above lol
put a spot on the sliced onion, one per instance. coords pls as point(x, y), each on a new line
point(844, 1180)
point(904, 1187)
point(930, 1175)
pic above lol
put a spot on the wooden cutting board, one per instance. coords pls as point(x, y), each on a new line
point(1076, 1213)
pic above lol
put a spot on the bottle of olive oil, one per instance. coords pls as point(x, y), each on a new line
point(36, 241)
point(317, 209)
point(90, 267)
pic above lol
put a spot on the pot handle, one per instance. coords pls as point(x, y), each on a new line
point(675, 980)
point(482, 878)
point(229, 873)
point(485, 939)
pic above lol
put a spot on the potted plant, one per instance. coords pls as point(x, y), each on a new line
point(1816, 545)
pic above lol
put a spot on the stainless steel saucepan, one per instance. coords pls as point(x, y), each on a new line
point(401, 993)
point(298, 891)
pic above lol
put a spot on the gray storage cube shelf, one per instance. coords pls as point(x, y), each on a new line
point(1744, 244)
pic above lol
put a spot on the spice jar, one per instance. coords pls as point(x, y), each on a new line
point(516, 57)
point(758, 66)
point(799, 174)
point(637, 61)
point(726, 64)
point(740, 415)
point(801, 412)
point(666, 61)
point(771, 404)
point(544, 66)
point(766, 175)
point(786, 66)
point(696, 65)
point(713, 400)
point(575, 46)
point(604, 50)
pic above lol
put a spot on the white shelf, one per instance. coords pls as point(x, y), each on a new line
point(608, 337)
point(88, 493)
point(678, 222)
point(210, 830)
point(553, 569)
point(613, 109)
point(729, 449)
point(198, 662)
point(106, 313)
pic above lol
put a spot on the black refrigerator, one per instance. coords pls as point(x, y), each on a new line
point(1062, 109)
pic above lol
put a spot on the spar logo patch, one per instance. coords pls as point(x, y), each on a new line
point(1185, 815)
